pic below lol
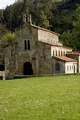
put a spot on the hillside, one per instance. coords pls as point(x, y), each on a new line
point(66, 20)
point(61, 16)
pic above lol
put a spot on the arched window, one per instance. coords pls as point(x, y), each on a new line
point(25, 45)
point(28, 45)
point(67, 68)
point(59, 53)
point(56, 52)
point(53, 52)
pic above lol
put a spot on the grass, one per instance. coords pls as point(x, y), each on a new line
point(43, 98)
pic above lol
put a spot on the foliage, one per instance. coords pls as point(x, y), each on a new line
point(72, 37)
point(9, 37)
point(13, 16)
point(3, 30)
point(1, 16)
point(61, 16)
point(76, 22)
point(44, 22)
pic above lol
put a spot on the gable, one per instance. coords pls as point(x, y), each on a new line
point(47, 37)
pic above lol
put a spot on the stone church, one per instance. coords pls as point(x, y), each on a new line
point(37, 51)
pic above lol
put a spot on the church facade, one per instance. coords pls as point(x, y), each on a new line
point(37, 51)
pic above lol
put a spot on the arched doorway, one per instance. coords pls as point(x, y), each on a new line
point(2, 67)
point(28, 68)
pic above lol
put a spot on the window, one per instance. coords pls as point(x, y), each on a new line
point(70, 67)
point(59, 53)
point(67, 68)
point(27, 45)
point(56, 52)
point(53, 52)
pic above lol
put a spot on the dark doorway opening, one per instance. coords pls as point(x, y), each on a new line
point(2, 67)
point(57, 66)
point(28, 68)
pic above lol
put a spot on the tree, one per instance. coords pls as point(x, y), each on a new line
point(1, 16)
point(9, 37)
point(44, 21)
point(71, 38)
point(13, 16)
point(76, 22)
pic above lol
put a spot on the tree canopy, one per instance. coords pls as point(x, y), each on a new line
point(61, 16)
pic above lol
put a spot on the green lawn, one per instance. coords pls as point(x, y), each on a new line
point(43, 98)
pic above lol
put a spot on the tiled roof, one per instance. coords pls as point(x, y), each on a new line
point(64, 58)
point(56, 45)
point(75, 53)
point(65, 47)
point(44, 29)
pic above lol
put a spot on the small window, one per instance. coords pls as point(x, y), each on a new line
point(53, 52)
point(56, 52)
point(28, 45)
point(70, 67)
point(67, 68)
point(59, 53)
point(25, 45)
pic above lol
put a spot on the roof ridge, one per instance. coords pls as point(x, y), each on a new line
point(44, 29)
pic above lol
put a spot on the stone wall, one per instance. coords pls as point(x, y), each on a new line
point(61, 66)
point(44, 58)
point(25, 55)
point(48, 37)
point(39, 54)
point(10, 59)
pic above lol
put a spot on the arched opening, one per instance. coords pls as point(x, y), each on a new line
point(28, 68)
point(2, 67)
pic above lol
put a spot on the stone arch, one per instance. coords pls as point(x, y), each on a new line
point(27, 68)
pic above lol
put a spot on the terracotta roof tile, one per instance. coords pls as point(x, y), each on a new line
point(75, 53)
point(64, 58)
point(56, 45)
